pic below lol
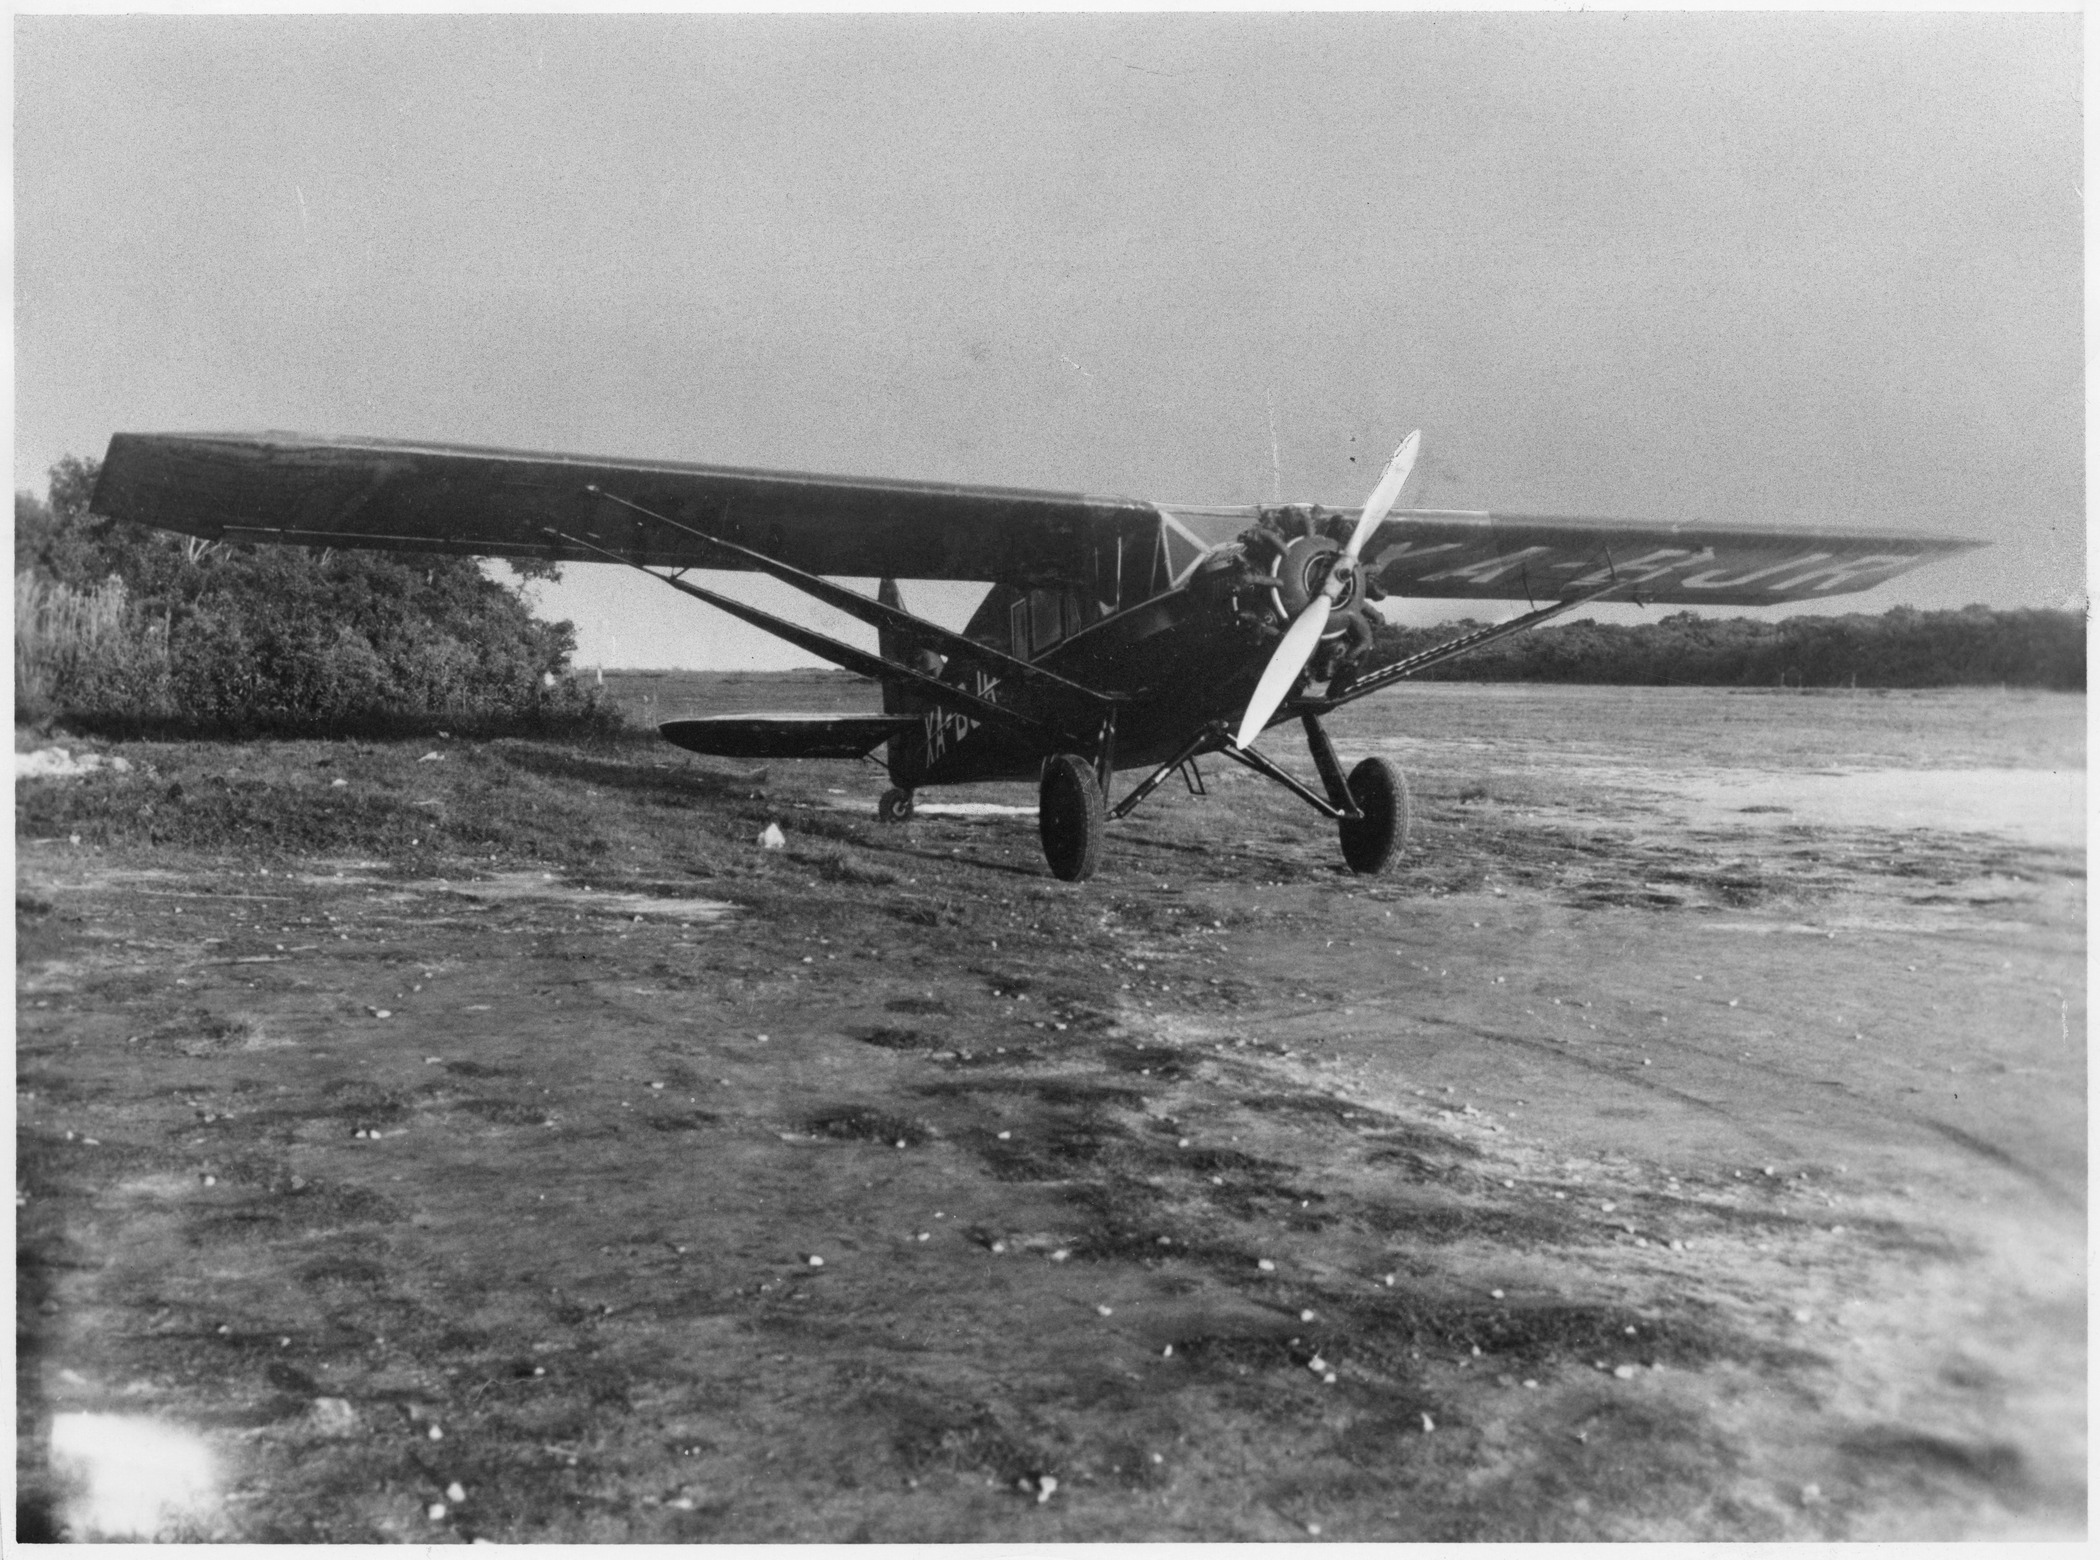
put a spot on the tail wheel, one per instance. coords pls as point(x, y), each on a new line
point(1380, 793)
point(1073, 817)
point(895, 806)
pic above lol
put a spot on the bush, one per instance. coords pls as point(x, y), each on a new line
point(86, 649)
point(245, 639)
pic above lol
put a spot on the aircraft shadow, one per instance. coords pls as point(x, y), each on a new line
point(635, 779)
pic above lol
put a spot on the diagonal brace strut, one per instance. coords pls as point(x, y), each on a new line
point(947, 695)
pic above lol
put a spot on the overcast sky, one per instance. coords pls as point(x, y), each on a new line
point(1821, 269)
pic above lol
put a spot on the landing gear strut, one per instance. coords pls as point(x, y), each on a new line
point(895, 806)
point(1073, 817)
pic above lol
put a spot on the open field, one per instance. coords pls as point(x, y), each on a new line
point(1685, 1140)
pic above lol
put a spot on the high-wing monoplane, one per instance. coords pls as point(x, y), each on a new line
point(1118, 635)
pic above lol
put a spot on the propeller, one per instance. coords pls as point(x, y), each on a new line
point(1303, 636)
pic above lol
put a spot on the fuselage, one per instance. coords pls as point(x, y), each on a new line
point(1178, 648)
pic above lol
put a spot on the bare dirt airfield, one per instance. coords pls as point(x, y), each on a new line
point(1686, 1139)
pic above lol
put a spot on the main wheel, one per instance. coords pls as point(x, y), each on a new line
point(1073, 817)
point(1380, 792)
point(895, 806)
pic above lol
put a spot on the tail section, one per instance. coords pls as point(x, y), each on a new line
point(899, 698)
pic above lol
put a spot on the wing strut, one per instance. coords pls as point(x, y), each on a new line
point(875, 613)
point(1394, 671)
point(947, 695)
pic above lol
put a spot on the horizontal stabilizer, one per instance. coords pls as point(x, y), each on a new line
point(786, 736)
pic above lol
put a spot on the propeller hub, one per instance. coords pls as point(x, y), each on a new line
point(1304, 571)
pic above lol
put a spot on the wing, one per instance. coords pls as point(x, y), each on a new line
point(1542, 558)
point(787, 736)
point(504, 503)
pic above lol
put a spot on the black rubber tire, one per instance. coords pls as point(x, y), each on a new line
point(895, 806)
point(1073, 817)
point(1380, 792)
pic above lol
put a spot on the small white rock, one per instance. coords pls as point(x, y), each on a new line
point(1624, 1372)
point(1266, 1265)
point(1105, 1310)
point(1305, 1316)
point(437, 1433)
point(772, 838)
point(454, 1493)
point(1428, 1424)
point(437, 1511)
point(332, 1416)
point(1045, 1487)
point(819, 1261)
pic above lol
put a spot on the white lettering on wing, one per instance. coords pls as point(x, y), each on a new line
point(1835, 575)
point(1491, 569)
point(1713, 580)
point(1664, 560)
point(1410, 550)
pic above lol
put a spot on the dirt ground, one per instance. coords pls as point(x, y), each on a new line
point(1686, 1140)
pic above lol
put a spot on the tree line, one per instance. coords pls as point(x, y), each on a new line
point(1902, 648)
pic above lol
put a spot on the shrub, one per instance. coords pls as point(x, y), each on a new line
point(239, 639)
point(78, 649)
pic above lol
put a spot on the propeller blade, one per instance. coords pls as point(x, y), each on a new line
point(1283, 668)
point(1386, 494)
point(1290, 657)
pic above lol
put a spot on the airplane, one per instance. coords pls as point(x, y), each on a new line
point(1118, 634)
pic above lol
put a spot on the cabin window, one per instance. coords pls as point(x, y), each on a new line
point(1017, 625)
point(1045, 618)
point(1108, 575)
